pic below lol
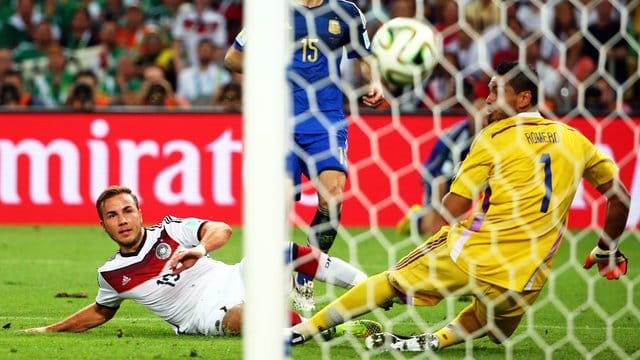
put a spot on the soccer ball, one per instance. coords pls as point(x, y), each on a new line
point(406, 50)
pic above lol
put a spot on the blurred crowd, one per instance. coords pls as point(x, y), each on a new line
point(585, 58)
point(88, 54)
point(93, 54)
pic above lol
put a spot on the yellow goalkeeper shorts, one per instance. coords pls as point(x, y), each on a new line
point(427, 275)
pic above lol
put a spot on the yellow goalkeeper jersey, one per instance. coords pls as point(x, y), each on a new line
point(528, 169)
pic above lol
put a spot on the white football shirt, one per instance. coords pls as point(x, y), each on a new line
point(193, 302)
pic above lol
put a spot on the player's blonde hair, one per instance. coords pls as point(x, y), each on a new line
point(112, 191)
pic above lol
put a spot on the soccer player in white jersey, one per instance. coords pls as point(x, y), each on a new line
point(166, 269)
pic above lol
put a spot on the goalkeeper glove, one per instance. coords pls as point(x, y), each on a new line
point(611, 263)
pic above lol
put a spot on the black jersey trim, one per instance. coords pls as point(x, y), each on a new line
point(108, 307)
point(135, 253)
point(200, 228)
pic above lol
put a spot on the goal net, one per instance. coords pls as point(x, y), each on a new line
point(585, 54)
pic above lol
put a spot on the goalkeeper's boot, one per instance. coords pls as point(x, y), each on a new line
point(356, 328)
point(408, 225)
point(390, 342)
point(302, 297)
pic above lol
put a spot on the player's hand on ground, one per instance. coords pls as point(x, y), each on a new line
point(184, 259)
point(35, 330)
point(611, 263)
point(375, 96)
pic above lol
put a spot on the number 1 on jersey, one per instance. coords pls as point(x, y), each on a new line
point(547, 182)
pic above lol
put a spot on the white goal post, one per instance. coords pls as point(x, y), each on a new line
point(264, 214)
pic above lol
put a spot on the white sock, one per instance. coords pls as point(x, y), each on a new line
point(335, 271)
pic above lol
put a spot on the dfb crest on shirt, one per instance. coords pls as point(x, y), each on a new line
point(163, 251)
point(334, 27)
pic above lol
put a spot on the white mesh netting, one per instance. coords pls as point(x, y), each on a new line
point(586, 56)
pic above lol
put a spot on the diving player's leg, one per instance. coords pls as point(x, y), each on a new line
point(409, 280)
point(496, 312)
point(509, 308)
point(364, 297)
point(423, 278)
point(465, 326)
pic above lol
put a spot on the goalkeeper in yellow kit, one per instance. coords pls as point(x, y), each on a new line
point(526, 170)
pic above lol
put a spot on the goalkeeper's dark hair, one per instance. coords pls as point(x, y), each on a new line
point(112, 191)
point(519, 78)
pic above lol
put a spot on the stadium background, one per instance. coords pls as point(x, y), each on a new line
point(55, 155)
point(133, 47)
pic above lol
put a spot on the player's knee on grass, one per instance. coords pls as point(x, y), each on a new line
point(232, 321)
point(504, 327)
point(508, 311)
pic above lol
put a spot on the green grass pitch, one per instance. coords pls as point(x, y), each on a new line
point(36, 262)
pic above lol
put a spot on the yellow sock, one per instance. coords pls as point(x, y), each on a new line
point(448, 337)
point(361, 299)
point(465, 324)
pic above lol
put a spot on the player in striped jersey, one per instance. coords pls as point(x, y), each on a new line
point(323, 29)
point(528, 169)
point(166, 268)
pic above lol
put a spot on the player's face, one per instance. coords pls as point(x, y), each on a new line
point(502, 100)
point(122, 220)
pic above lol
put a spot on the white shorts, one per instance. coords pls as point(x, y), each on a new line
point(225, 292)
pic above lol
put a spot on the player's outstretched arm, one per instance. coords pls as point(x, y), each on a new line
point(618, 201)
point(85, 319)
point(611, 262)
point(233, 60)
